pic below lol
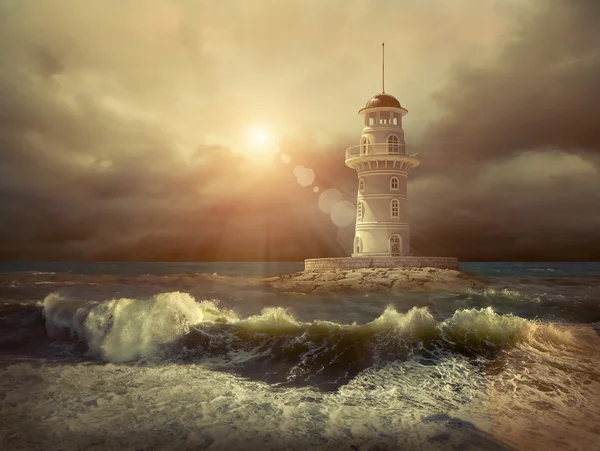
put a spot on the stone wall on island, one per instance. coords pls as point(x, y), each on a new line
point(332, 264)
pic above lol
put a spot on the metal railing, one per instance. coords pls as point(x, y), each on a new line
point(365, 150)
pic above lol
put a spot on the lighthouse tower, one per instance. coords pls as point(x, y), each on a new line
point(382, 236)
point(382, 164)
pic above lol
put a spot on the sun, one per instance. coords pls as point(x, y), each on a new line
point(260, 136)
point(261, 143)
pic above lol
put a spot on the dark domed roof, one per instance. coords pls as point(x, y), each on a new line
point(383, 100)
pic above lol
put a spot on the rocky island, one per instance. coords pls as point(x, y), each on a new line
point(375, 279)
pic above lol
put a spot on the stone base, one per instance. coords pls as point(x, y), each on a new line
point(332, 264)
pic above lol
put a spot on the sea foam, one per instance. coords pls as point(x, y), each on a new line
point(125, 329)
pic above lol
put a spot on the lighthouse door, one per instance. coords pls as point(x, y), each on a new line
point(357, 245)
point(395, 247)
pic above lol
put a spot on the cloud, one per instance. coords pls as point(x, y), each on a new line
point(122, 126)
point(510, 163)
point(539, 168)
point(537, 91)
point(536, 206)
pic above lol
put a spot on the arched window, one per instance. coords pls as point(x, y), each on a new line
point(395, 208)
point(364, 145)
point(361, 185)
point(394, 184)
point(393, 145)
point(395, 246)
point(359, 212)
point(357, 245)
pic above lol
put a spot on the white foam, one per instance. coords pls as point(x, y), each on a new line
point(183, 406)
point(126, 329)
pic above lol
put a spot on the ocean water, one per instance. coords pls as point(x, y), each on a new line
point(170, 356)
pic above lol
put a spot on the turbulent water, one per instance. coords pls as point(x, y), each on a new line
point(203, 356)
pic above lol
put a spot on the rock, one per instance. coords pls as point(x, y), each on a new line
point(398, 273)
point(375, 279)
point(339, 285)
point(387, 283)
point(305, 276)
point(354, 275)
point(366, 270)
point(328, 277)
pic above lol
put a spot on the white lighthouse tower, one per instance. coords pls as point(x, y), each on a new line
point(382, 235)
point(382, 164)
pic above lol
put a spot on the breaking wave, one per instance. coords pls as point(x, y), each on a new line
point(175, 326)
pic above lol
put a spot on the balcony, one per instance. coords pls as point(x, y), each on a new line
point(378, 150)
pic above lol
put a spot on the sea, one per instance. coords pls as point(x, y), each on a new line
point(190, 356)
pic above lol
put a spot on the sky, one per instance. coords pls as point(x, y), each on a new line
point(164, 130)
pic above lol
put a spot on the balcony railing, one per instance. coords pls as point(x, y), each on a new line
point(365, 150)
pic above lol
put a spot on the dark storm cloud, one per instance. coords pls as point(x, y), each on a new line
point(81, 179)
point(539, 206)
point(498, 161)
point(538, 90)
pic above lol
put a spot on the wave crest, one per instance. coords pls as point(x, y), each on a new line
point(277, 347)
point(126, 329)
point(485, 325)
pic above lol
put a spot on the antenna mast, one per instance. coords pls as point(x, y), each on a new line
point(383, 67)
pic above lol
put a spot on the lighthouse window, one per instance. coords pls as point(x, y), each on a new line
point(359, 211)
point(396, 118)
point(361, 185)
point(364, 146)
point(394, 184)
point(393, 145)
point(384, 117)
point(371, 118)
point(395, 208)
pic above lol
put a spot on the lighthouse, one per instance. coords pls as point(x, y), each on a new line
point(382, 164)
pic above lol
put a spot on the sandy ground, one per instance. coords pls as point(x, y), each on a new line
point(375, 279)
